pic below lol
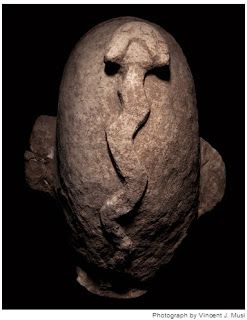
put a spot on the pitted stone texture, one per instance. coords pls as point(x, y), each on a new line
point(40, 160)
point(212, 178)
point(127, 166)
point(167, 147)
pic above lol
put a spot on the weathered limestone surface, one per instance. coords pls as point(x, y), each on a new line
point(212, 178)
point(124, 156)
point(40, 168)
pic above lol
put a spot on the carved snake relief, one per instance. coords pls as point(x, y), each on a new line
point(118, 252)
point(136, 48)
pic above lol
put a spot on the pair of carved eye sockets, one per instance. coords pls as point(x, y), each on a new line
point(162, 73)
point(129, 195)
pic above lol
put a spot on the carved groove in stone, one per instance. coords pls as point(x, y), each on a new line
point(120, 135)
point(147, 206)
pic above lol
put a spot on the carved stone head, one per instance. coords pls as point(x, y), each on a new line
point(124, 157)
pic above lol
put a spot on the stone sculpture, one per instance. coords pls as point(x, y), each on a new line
point(124, 157)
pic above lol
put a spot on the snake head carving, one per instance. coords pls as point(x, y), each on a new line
point(124, 157)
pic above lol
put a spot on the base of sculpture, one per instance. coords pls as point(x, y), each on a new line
point(105, 288)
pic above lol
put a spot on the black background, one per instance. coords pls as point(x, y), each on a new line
point(38, 270)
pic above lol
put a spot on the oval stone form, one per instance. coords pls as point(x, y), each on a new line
point(128, 153)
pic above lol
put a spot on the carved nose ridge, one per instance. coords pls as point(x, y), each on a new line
point(136, 47)
point(137, 43)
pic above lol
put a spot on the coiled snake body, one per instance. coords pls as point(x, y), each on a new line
point(136, 50)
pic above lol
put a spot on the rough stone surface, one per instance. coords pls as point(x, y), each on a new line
point(40, 162)
point(127, 166)
point(212, 178)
